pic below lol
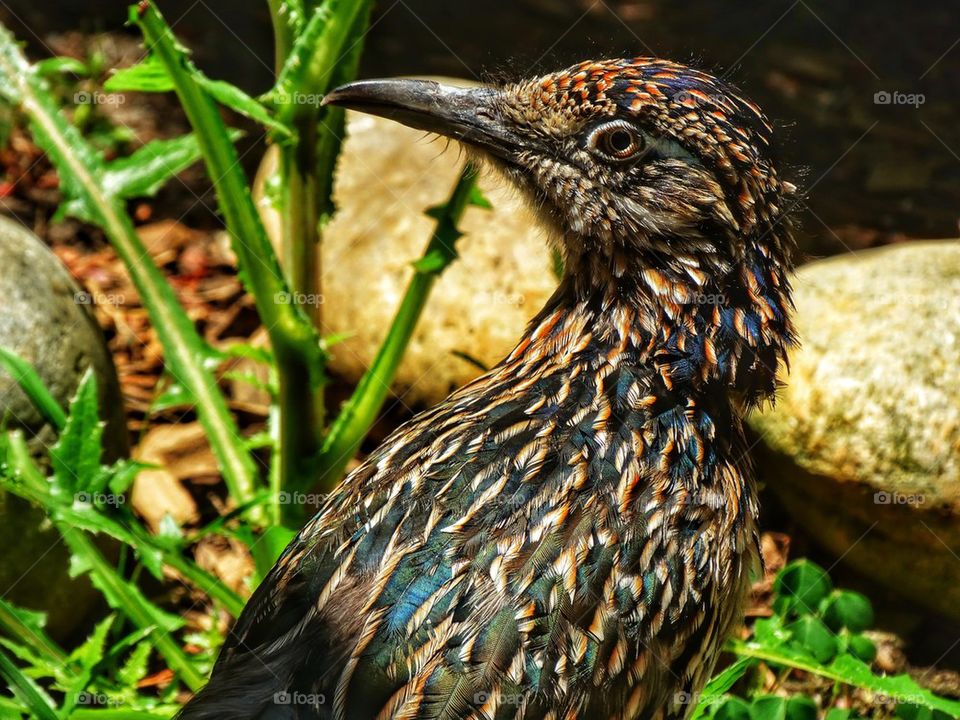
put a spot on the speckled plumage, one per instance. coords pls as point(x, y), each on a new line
point(571, 534)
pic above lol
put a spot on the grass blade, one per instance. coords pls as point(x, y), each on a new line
point(25, 690)
point(29, 381)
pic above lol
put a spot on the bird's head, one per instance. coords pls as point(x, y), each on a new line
point(638, 154)
point(656, 178)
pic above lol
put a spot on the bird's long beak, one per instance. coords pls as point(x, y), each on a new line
point(464, 114)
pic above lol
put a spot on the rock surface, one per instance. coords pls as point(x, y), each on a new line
point(863, 446)
point(46, 319)
point(387, 177)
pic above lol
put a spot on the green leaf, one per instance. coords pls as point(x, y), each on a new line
point(848, 670)
point(152, 75)
point(800, 587)
point(839, 714)
point(29, 381)
point(236, 99)
point(847, 609)
point(134, 669)
point(119, 593)
point(713, 693)
point(733, 708)
point(768, 707)
point(61, 65)
point(89, 654)
point(478, 199)
point(801, 708)
point(76, 455)
point(815, 637)
point(149, 75)
point(144, 172)
point(862, 648)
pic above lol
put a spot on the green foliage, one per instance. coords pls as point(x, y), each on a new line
point(817, 630)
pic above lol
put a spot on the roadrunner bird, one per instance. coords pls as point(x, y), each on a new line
point(571, 535)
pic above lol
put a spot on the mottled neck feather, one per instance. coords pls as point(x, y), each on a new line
point(705, 327)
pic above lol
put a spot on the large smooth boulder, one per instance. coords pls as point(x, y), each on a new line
point(388, 175)
point(47, 320)
point(863, 445)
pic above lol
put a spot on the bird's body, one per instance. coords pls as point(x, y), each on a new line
point(571, 535)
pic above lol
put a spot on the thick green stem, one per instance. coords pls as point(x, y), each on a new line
point(80, 168)
point(359, 413)
point(294, 338)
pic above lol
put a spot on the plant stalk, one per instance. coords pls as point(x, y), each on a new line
point(294, 338)
point(360, 411)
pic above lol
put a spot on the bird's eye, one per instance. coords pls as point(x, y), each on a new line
point(617, 140)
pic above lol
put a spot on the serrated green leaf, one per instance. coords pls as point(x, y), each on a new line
point(800, 587)
point(236, 99)
point(144, 172)
point(134, 667)
point(478, 199)
point(848, 670)
point(148, 75)
point(90, 652)
point(76, 455)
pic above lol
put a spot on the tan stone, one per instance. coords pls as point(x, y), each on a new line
point(863, 446)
